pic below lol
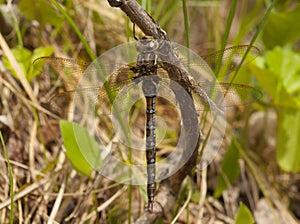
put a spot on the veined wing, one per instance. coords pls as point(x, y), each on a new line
point(117, 76)
point(230, 57)
point(69, 70)
point(72, 71)
point(84, 83)
point(221, 95)
point(237, 50)
point(228, 60)
point(217, 94)
point(226, 95)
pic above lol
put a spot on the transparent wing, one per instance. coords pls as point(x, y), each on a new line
point(100, 97)
point(226, 95)
point(118, 76)
point(69, 70)
point(222, 62)
point(223, 95)
point(230, 57)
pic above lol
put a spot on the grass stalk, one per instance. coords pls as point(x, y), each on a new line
point(226, 34)
point(11, 183)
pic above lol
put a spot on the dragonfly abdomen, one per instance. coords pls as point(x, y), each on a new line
point(146, 68)
point(150, 149)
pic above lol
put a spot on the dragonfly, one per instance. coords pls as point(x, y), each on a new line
point(142, 73)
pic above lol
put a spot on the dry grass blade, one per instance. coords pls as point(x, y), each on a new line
point(106, 204)
point(25, 191)
point(17, 68)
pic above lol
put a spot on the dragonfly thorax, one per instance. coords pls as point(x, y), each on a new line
point(146, 64)
point(147, 44)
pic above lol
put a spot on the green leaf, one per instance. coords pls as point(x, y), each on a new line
point(23, 57)
point(42, 51)
point(279, 74)
point(230, 170)
point(286, 64)
point(35, 69)
point(82, 150)
point(243, 215)
point(285, 23)
point(195, 196)
point(288, 153)
point(40, 11)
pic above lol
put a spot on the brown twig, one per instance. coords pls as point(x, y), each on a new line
point(140, 17)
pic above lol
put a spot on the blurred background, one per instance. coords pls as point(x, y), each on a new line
point(255, 175)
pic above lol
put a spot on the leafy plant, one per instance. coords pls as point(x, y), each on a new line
point(82, 150)
point(243, 215)
point(281, 80)
point(25, 59)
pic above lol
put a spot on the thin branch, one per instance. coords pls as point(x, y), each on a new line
point(140, 17)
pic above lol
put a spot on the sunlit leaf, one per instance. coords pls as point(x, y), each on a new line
point(269, 80)
point(37, 53)
point(82, 150)
point(288, 153)
point(42, 51)
point(243, 215)
point(278, 73)
point(286, 64)
point(23, 57)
